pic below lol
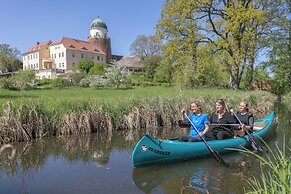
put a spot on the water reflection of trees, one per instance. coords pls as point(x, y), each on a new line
point(135, 135)
point(32, 155)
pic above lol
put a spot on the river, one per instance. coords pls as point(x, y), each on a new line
point(101, 163)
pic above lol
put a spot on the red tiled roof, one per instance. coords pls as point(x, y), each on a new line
point(38, 46)
point(80, 45)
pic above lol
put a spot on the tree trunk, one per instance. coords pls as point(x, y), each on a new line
point(233, 82)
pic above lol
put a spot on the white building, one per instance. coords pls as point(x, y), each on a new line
point(54, 59)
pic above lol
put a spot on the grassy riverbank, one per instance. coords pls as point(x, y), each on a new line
point(25, 115)
point(275, 171)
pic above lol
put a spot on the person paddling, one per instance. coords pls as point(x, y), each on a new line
point(245, 117)
point(221, 116)
point(199, 119)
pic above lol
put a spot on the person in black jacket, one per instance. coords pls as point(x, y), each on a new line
point(246, 118)
point(219, 117)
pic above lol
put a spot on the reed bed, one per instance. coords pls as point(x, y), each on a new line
point(275, 171)
point(37, 114)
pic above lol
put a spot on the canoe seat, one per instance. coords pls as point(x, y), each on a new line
point(259, 125)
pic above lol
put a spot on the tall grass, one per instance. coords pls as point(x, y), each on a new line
point(26, 115)
point(275, 171)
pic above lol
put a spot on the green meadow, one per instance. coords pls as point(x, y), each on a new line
point(69, 100)
point(31, 114)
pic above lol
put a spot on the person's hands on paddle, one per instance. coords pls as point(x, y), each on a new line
point(201, 134)
point(183, 115)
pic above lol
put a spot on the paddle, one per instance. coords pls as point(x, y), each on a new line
point(212, 151)
point(187, 124)
point(254, 143)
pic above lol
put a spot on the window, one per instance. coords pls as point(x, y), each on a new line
point(98, 58)
point(55, 55)
point(73, 54)
point(82, 55)
point(62, 54)
point(63, 65)
point(92, 57)
point(73, 64)
point(52, 55)
point(59, 55)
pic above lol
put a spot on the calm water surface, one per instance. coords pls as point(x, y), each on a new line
point(101, 163)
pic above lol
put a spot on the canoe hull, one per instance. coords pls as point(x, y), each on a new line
point(150, 151)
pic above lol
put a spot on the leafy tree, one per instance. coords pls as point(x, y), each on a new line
point(98, 69)
point(9, 58)
point(280, 54)
point(85, 65)
point(163, 74)
point(236, 28)
point(151, 64)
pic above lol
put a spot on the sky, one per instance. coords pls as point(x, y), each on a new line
point(24, 22)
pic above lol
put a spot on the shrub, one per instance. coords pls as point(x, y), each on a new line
point(6, 83)
point(61, 83)
point(44, 82)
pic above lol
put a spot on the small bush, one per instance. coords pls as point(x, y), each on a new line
point(6, 83)
point(166, 84)
point(43, 82)
point(61, 83)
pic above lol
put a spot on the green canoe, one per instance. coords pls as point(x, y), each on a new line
point(150, 151)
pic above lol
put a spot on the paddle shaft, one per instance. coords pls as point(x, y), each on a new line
point(234, 125)
point(248, 133)
point(213, 152)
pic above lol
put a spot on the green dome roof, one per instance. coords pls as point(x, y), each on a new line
point(98, 23)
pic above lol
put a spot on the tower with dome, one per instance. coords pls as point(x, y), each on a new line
point(99, 36)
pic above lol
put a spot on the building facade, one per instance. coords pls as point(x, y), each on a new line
point(55, 59)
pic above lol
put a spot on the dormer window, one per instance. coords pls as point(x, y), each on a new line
point(84, 48)
point(72, 46)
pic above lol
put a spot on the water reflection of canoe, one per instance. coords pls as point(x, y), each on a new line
point(196, 176)
point(150, 151)
point(149, 179)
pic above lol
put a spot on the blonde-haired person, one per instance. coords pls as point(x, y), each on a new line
point(220, 117)
point(199, 120)
point(245, 117)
